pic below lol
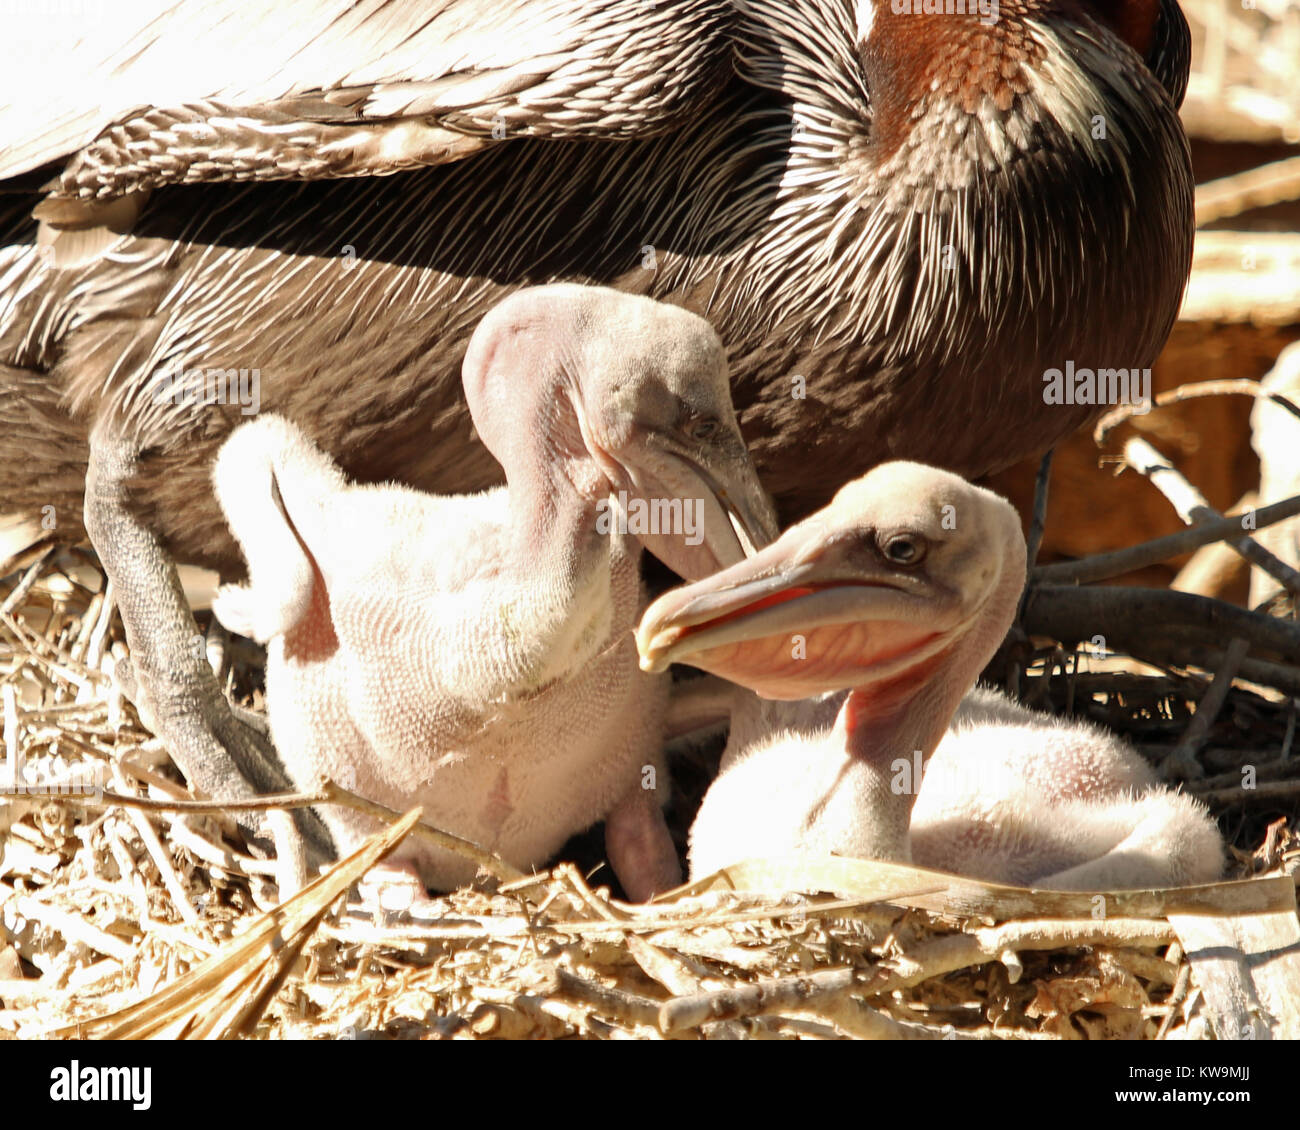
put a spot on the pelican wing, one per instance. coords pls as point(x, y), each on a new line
point(153, 92)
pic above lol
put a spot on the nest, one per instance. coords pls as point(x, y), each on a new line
point(128, 910)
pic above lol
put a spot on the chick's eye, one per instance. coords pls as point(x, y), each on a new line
point(903, 549)
point(703, 429)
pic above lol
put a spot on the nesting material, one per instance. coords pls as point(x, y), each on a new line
point(145, 921)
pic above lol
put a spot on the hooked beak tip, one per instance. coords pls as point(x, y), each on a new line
point(653, 649)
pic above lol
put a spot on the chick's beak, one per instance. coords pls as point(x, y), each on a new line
point(797, 619)
point(726, 515)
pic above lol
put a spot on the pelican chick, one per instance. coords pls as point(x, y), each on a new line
point(474, 653)
point(896, 595)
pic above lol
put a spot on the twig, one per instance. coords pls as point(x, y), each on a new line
point(163, 862)
point(1263, 790)
point(98, 639)
point(1183, 653)
point(108, 799)
point(1037, 523)
point(218, 856)
point(1039, 520)
point(1181, 761)
point(863, 1022)
point(634, 1009)
point(679, 976)
point(1239, 387)
point(751, 1000)
point(73, 928)
point(115, 833)
point(1193, 509)
point(24, 585)
point(1212, 570)
point(544, 1010)
point(1103, 566)
point(1139, 621)
point(1176, 997)
point(1144, 965)
point(571, 876)
point(1274, 770)
point(939, 956)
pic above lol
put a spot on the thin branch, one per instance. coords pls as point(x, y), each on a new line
point(629, 1007)
point(940, 956)
point(1240, 387)
point(1176, 650)
point(1193, 509)
point(1037, 523)
point(23, 587)
point(1263, 790)
point(1138, 620)
point(770, 995)
point(1181, 761)
point(1103, 566)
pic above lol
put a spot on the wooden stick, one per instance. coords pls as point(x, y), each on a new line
point(1103, 566)
point(1193, 509)
point(1138, 620)
point(1176, 997)
point(24, 585)
point(1181, 761)
point(74, 928)
point(1037, 523)
point(939, 956)
point(1183, 653)
point(1263, 790)
point(770, 995)
point(629, 1007)
point(1239, 387)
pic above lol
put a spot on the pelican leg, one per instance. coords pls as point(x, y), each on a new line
point(640, 847)
point(169, 678)
point(394, 888)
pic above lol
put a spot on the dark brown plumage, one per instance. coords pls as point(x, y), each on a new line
point(811, 259)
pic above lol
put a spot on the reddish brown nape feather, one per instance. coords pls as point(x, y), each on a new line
point(913, 55)
point(964, 59)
